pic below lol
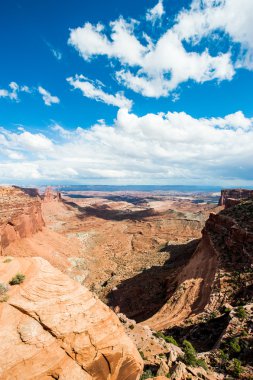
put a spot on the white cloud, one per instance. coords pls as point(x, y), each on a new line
point(57, 54)
point(155, 13)
point(24, 141)
point(4, 93)
point(47, 97)
point(24, 171)
point(169, 56)
point(91, 41)
point(155, 148)
point(13, 92)
point(94, 91)
point(231, 16)
point(156, 68)
point(235, 121)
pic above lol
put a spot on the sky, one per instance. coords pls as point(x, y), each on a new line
point(126, 92)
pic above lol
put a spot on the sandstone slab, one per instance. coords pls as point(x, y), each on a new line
point(51, 327)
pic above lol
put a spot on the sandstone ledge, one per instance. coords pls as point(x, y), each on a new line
point(51, 327)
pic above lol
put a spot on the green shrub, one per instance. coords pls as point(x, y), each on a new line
point(142, 355)
point(201, 363)
point(3, 290)
point(223, 355)
point(212, 315)
point(8, 260)
point(4, 298)
point(225, 309)
point(170, 339)
point(190, 353)
point(18, 279)
point(147, 374)
point(190, 357)
point(131, 327)
point(236, 368)
point(234, 346)
point(241, 313)
point(159, 334)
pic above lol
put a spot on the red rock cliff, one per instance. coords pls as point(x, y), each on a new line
point(232, 197)
point(20, 214)
point(218, 270)
point(51, 196)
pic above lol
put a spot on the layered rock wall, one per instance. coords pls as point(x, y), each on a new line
point(20, 214)
point(232, 197)
point(208, 281)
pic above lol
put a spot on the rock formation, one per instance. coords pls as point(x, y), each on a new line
point(232, 197)
point(51, 196)
point(162, 356)
point(154, 269)
point(212, 295)
point(51, 327)
point(20, 214)
point(203, 284)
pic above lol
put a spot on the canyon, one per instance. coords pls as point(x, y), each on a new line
point(109, 276)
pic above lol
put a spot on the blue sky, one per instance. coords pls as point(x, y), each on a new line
point(127, 92)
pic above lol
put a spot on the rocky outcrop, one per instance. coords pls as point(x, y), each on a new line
point(212, 297)
point(161, 357)
point(51, 327)
point(232, 197)
point(20, 214)
point(51, 196)
point(216, 273)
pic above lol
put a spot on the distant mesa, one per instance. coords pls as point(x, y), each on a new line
point(232, 197)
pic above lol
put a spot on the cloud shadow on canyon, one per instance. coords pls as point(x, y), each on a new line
point(106, 213)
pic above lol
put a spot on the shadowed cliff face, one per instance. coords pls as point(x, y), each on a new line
point(20, 214)
point(141, 296)
point(216, 273)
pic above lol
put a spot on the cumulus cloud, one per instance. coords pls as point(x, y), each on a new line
point(156, 67)
point(156, 148)
point(230, 16)
point(47, 97)
point(13, 92)
point(94, 90)
point(90, 40)
point(24, 141)
point(156, 12)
